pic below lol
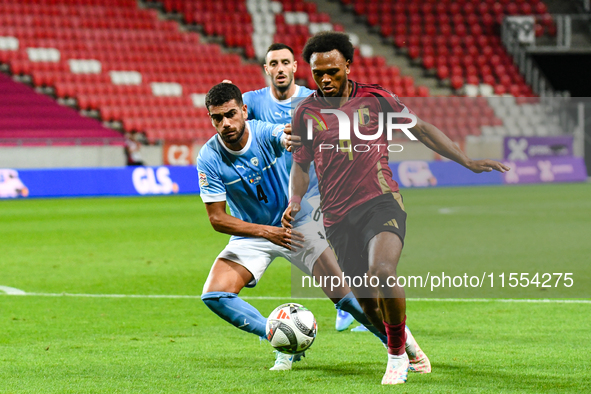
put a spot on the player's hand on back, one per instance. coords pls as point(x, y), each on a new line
point(226, 81)
point(479, 166)
point(286, 237)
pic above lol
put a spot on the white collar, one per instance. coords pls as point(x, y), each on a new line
point(241, 151)
point(286, 101)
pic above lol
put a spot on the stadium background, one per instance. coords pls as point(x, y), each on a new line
point(80, 76)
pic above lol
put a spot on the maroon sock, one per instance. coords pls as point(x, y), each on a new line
point(396, 337)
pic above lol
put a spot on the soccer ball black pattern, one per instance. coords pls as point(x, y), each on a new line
point(291, 328)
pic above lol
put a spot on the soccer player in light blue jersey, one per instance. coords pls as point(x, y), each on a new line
point(241, 165)
point(274, 104)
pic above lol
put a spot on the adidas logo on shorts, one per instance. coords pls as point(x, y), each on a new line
point(391, 223)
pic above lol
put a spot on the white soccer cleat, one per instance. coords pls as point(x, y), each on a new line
point(397, 370)
point(419, 362)
point(284, 361)
point(344, 320)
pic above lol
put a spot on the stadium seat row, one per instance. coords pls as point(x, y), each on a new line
point(458, 39)
point(163, 35)
point(96, 10)
point(82, 44)
point(117, 113)
point(104, 3)
point(45, 78)
point(27, 117)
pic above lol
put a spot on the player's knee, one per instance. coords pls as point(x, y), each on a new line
point(222, 283)
point(209, 298)
point(382, 269)
point(212, 299)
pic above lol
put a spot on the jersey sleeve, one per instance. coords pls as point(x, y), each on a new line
point(305, 153)
point(390, 102)
point(273, 133)
point(211, 186)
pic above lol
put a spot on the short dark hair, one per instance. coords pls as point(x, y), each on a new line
point(327, 41)
point(277, 46)
point(221, 94)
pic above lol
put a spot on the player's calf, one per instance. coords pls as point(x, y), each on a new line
point(350, 304)
point(236, 311)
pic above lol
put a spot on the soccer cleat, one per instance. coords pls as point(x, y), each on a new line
point(419, 362)
point(344, 320)
point(284, 361)
point(397, 370)
point(360, 328)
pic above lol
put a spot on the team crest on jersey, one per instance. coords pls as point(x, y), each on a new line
point(363, 115)
point(254, 161)
point(203, 180)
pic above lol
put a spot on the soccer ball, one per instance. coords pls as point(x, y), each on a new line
point(291, 328)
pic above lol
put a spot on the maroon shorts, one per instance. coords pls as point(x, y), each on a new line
point(349, 238)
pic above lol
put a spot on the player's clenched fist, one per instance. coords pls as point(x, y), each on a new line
point(291, 141)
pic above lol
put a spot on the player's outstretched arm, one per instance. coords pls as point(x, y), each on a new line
point(228, 224)
point(298, 185)
point(434, 139)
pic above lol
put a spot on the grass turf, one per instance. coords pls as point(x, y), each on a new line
point(165, 245)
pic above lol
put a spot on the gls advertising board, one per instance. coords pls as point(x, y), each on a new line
point(126, 181)
point(164, 180)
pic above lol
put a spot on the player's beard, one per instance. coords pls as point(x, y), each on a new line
point(342, 88)
point(284, 88)
point(235, 138)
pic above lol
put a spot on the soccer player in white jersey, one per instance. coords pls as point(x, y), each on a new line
point(273, 104)
point(242, 165)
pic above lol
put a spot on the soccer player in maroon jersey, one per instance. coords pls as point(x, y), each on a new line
point(363, 211)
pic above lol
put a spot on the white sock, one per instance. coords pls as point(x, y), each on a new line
point(394, 357)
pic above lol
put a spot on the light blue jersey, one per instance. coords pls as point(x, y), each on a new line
point(262, 105)
point(254, 181)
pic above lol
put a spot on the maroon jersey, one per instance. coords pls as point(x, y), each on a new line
point(350, 171)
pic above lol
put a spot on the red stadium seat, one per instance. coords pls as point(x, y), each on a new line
point(414, 52)
point(442, 72)
point(457, 82)
point(429, 62)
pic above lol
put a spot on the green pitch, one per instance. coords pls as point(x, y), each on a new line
point(52, 343)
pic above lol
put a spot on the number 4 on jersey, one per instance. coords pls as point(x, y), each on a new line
point(261, 194)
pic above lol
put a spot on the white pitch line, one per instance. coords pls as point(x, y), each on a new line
point(173, 296)
point(11, 290)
